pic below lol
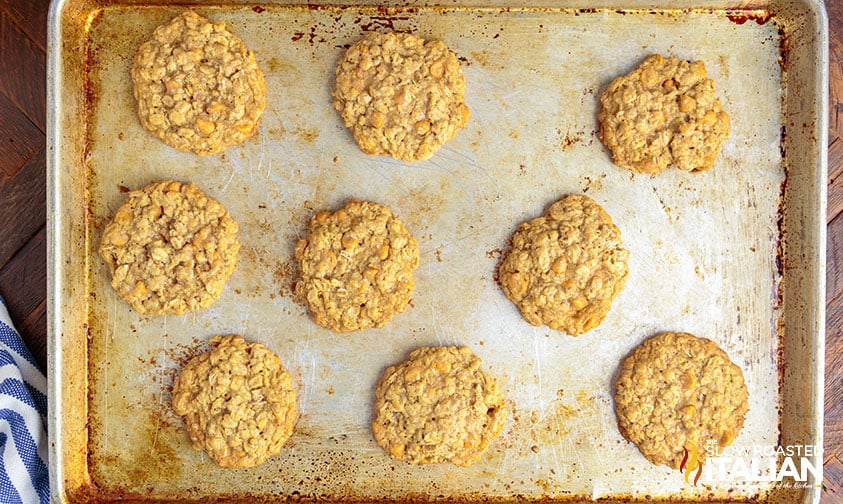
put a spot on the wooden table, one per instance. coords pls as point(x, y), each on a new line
point(23, 263)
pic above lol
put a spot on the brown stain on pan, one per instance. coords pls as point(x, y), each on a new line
point(781, 220)
point(161, 441)
point(94, 326)
point(297, 497)
point(740, 17)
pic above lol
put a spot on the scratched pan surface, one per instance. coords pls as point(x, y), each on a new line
point(706, 251)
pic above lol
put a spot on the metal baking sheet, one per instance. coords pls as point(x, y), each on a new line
point(735, 254)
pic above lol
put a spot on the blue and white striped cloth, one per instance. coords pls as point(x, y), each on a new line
point(23, 416)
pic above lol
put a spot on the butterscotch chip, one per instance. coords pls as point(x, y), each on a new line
point(356, 267)
point(400, 95)
point(679, 395)
point(565, 267)
point(237, 402)
point(197, 87)
point(170, 249)
point(664, 113)
point(438, 406)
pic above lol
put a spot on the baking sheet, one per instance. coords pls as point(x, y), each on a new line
point(704, 250)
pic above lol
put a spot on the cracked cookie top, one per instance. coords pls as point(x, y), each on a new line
point(356, 267)
point(438, 406)
point(677, 395)
point(170, 248)
point(565, 267)
point(197, 87)
point(400, 95)
point(664, 113)
point(237, 402)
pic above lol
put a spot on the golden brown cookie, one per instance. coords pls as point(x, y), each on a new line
point(663, 113)
point(678, 394)
point(197, 87)
point(356, 267)
point(237, 402)
point(170, 249)
point(438, 406)
point(400, 95)
point(565, 267)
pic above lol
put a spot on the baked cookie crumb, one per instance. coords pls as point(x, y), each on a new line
point(438, 406)
point(679, 395)
point(664, 113)
point(237, 402)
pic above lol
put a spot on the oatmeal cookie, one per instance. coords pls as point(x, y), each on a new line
point(438, 406)
point(356, 267)
point(664, 113)
point(677, 392)
point(400, 95)
point(170, 249)
point(197, 87)
point(565, 267)
point(237, 402)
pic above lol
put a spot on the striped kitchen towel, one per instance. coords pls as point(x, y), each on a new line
point(23, 418)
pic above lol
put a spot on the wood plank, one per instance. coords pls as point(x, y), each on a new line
point(835, 199)
point(832, 478)
point(31, 17)
point(835, 190)
point(19, 139)
point(833, 429)
point(834, 259)
point(834, 9)
point(24, 205)
point(835, 159)
point(23, 72)
point(23, 284)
